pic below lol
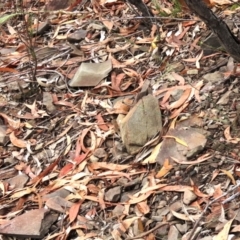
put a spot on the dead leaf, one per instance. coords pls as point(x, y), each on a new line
point(16, 141)
point(186, 217)
point(223, 234)
point(229, 175)
point(165, 169)
point(109, 166)
point(73, 211)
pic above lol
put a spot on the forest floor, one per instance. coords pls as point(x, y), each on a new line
point(68, 79)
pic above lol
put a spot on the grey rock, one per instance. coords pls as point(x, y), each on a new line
point(3, 135)
point(100, 153)
point(118, 210)
point(215, 77)
point(63, 193)
point(113, 194)
point(18, 181)
point(141, 123)
point(77, 36)
point(42, 27)
point(173, 233)
point(188, 197)
point(90, 74)
point(176, 206)
point(58, 204)
point(32, 224)
point(182, 228)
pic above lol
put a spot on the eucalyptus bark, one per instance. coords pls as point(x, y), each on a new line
point(142, 7)
point(218, 26)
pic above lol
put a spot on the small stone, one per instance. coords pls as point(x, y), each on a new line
point(31, 224)
point(170, 217)
point(58, 204)
point(189, 197)
point(125, 196)
point(215, 77)
point(182, 228)
point(62, 192)
point(42, 27)
point(100, 153)
point(192, 72)
point(93, 159)
point(173, 233)
point(3, 135)
point(77, 36)
point(118, 210)
point(176, 206)
point(162, 204)
point(113, 194)
point(19, 181)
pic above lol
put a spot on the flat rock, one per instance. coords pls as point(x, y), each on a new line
point(118, 210)
point(48, 102)
point(32, 224)
point(211, 45)
point(77, 36)
point(90, 74)
point(63, 193)
point(215, 77)
point(171, 148)
point(58, 204)
point(113, 194)
point(189, 197)
point(3, 135)
point(173, 233)
point(182, 228)
point(18, 181)
point(54, 5)
point(176, 206)
point(141, 123)
point(42, 27)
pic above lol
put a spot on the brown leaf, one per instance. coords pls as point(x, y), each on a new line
point(109, 166)
point(101, 124)
point(12, 123)
point(37, 179)
point(73, 211)
point(143, 207)
point(16, 141)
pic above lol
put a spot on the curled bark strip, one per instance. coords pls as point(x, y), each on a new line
point(218, 26)
point(141, 6)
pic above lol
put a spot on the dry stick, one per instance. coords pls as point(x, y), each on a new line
point(218, 26)
point(149, 231)
point(191, 237)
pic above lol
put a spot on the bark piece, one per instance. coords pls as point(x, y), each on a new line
point(218, 26)
point(141, 6)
